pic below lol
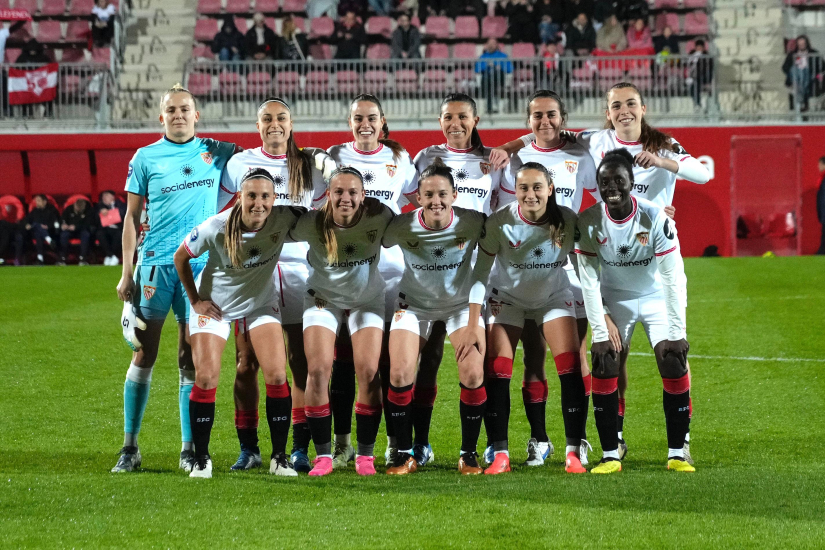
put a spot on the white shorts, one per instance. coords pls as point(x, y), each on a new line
point(207, 325)
point(320, 313)
point(390, 296)
point(649, 310)
point(559, 304)
point(578, 297)
point(421, 321)
point(290, 284)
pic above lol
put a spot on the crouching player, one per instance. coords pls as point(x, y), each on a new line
point(438, 243)
point(244, 244)
point(629, 256)
point(529, 242)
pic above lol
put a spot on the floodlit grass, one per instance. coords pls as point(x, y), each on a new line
point(756, 431)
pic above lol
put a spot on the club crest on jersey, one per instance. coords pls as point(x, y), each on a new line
point(275, 237)
point(148, 291)
point(412, 245)
point(460, 242)
point(391, 169)
point(320, 304)
point(203, 320)
point(371, 234)
point(485, 167)
point(643, 237)
point(207, 157)
point(398, 315)
point(495, 307)
point(559, 240)
point(514, 244)
point(571, 165)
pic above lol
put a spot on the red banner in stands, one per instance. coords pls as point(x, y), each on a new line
point(32, 85)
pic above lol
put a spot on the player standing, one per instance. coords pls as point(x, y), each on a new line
point(345, 286)
point(178, 176)
point(438, 241)
point(629, 257)
point(236, 284)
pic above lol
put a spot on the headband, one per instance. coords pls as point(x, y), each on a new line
point(276, 100)
point(255, 173)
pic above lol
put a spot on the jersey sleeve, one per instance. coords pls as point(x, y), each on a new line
point(221, 151)
point(137, 181)
point(304, 228)
point(200, 238)
point(664, 237)
point(584, 241)
point(586, 176)
point(690, 169)
point(411, 180)
point(390, 237)
point(527, 139)
point(507, 182)
point(484, 261)
point(489, 241)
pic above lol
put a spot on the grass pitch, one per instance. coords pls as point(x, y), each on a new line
point(757, 354)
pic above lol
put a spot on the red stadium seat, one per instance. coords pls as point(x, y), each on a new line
point(74, 198)
point(524, 80)
point(81, 7)
point(523, 50)
point(317, 82)
point(300, 23)
point(379, 25)
point(321, 27)
point(438, 26)
point(287, 83)
point(378, 51)
point(28, 5)
point(72, 55)
point(5, 4)
point(200, 84)
point(69, 84)
point(75, 174)
point(435, 80)
point(267, 6)
point(11, 166)
point(102, 55)
point(112, 167)
point(466, 26)
point(11, 209)
point(206, 29)
point(376, 81)
point(202, 52)
point(12, 54)
point(695, 4)
point(258, 83)
point(347, 82)
point(436, 50)
point(406, 81)
point(696, 22)
point(237, 6)
point(667, 20)
point(294, 6)
point(494, 26)
point(241, 25)
point(211, 7)
point(320, 51)
point(665, 4)
point(782, 225)
point(464, 50)
point(53, 7)
point(78, 31)
point(465, 80)
point(229, 83)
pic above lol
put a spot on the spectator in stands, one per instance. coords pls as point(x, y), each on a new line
point(110, 214)
point(358, 7)
point(549, 30)
point(8, 228)
point(554, 9)
point(581, 37)
point(454, 8)
point(556, 77)
point(700, 71)
point(575, 7)
point(78, 222)
point(522, 22)
point(349, 36)
point(103, 23)
point(611, 37)
point(638, 35)
point(35, 53)
point(229, 41)
point(321, 8)
point(40, 225)
point(381, 7)
point(4, 35)
point(293, 43)
point(406, 40)
point(666, 42)
point(492, 72)
point(802, 67)
point(602, 9)
point(260, 41)
point(820, 205)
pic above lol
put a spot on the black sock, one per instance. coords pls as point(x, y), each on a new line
point(367, 421)
point(300, 430)
point(342, 395)
point(584, 416)
point(534, 397)
point(422, 416)
point(497, 412)
point(621, 414)
point(277, 416)
point(201, 418)
point(471, 408)
point(248, 438)
point(320, 427)
point(573, 406)
point(606, 411)
point(399, 404)
point(676, 403)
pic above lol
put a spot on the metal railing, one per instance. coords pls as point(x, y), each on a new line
point(84, 92)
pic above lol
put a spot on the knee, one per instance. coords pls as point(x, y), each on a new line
point(605, 366)
point(247, 366)
point(672, 365)
point(206, 380)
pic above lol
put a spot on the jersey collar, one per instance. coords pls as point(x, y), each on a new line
point(525, 220)
point(273, 157)
point(452, 150)
point(360, 152)
point(190, 140)
point(543, 150)
point(427, 227)
point(628, 218)
point(622, 142)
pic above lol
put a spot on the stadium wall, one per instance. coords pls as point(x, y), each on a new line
point(63, 164)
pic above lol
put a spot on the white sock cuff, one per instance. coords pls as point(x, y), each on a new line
point(676, 453)
point(572, 449)
point(187, 377)
point(611, 454)
point(687, 437)
point(503, 452)
point(139, 375)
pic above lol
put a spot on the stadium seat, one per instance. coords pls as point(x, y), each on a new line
point(53, 7)
point(321, 27)
point(28, 5)
point(639, 70)
point(5, 4)
point(320, 51)
point(667, 20)
point(11, 166)
point(200, 84)
point(523, 50)
point(202, 52)
point(438, 26)
point(229, 83)
point(665, 4)
point(379, 25)
point(695, 4)
point(78, 31)
point(347, 82)
point(240, 7)
point(406, 81)
point(317, 82)
point(241, 25)
point(436, 50)
point(210, 7)
point(75, 174)
point(645, 84)
point(466, 26)
point(112, 166)
point(74, 198)
point(524, 81)
point(287, 83)
point(258, 83)
point(300, 23)
point(81, 7)
point(49, 31)
point(72, 55)
point(294, 6)
point(102, 55)
point(12, 54)
point(493, 26)
point(13, 209)
point(464, 50)
point(378, 51)
point(206, 29)
point(69, 84)
point(465, 80)
point(696, 22)
point(376, 81)
point(435, 80)
point(267, 6)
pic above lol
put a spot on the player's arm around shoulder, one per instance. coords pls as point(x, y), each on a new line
point(305, 226)
point(687, 167)
point(396, 226)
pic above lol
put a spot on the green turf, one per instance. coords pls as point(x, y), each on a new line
point(756, 435)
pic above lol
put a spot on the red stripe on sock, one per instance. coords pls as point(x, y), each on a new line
point(567, 362)
point(676, 386)
point(400, 398)
point(200, 395)
point(501, 367)
point(424, 396)
point(535, 392)
point(621, 406)
point(367, 410)
point(474, 397)
point(342, 353)
point(317, 412)
point(246, 420)
point(277, 391)
point(299, 416)
point(605, 386)
point(588, 384)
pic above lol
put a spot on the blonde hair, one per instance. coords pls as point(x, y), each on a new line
point(298, 163)
point(177, 88)
point(325, 223)
point(288, 28)
point(233, 232)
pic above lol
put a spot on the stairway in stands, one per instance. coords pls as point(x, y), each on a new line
point(158, 44)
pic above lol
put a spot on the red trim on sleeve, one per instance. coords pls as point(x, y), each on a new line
point(580, 251)
point(590, 190)
point(668, 251)
point(412, 193)
point(187, 249)
point(506, 190)
point(684, 158)
point(225, 189)
point(482, 249)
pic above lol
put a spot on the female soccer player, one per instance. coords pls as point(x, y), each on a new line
point(344, 286)
point(243, 245)
point(529, 242)
point(299, 181)
point(658, 160)
point(178, 176)
point(389, 176)
point(629, 257)
point(438, 241)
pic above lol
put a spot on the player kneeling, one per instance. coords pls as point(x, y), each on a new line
point(629, 256)
point(438, 242)
point(244, 244)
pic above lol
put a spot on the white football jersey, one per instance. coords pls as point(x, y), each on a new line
point(476, 182)
point(239, 291)
point(354, 279)
point(627, 249)
point(243, 162)
point(437, 262)
point(528, 266)
point(570, 166)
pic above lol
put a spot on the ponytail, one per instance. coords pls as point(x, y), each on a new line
point(297, 162)
point(652, 140)
point(324, 224)
point(555, 218)
point(396, 148)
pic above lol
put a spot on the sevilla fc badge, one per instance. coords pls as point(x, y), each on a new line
point(148, 291)
point(571, 166)
point(391, 168)
point(203, 320)
point(398, 315)
point(207, 157)
point(460, 242)
point(495, 307)
point(485, 167)
point(643, 238)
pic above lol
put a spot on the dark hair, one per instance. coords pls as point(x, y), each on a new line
point(325, 223)
point(41, 196)
point(699, 42)
point(617, 156)
point(555, 218)
point(298, 163)
point(233, 232)
point(458, 97)
point(652, 139)
point(438, 168)
point(807, 42)
point(397, 148)
point(822, 159)
point(551, 95)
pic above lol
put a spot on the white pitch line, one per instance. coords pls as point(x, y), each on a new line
point(749, 299)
